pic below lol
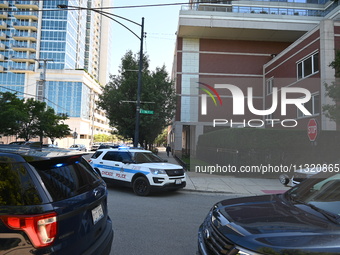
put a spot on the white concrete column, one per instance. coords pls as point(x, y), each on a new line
point(327, 55)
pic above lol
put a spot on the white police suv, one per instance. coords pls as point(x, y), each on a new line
point(140, 169)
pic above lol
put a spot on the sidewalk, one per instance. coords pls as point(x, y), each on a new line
point(202, 182)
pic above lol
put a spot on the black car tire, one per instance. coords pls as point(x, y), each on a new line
point(141, 186)
point(284, 179)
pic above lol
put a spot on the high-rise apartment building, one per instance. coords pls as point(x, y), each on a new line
point(251, 44)
point(58, 56)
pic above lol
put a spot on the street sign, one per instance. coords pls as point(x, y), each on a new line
point(145, 111)
point(312, 130)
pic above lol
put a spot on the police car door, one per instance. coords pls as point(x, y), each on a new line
point(127, 171)
point(111, 166)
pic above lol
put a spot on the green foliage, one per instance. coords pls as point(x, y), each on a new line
point(162, 138)
point(104, 138)
point(120, 95)
point(30, 118)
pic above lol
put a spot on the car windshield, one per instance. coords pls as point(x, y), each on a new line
point(319, 192)
point(146, 157)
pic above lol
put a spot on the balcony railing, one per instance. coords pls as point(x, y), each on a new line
point(290, 7)
point(23, 58)
point(25, 25)
point(22, 35)
point(21, 68)
point(3, 14)
point(17, 46)
point(3, 25)
point(3, 4)
point(34, 5)
point(26, 15)
point(3, 36)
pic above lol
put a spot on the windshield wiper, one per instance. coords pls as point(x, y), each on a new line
point(330, 216)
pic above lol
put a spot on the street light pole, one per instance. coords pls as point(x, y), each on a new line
point(42, 82)
point(140, 70)
point(139, 87)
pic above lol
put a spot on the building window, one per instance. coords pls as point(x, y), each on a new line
point(308, 66)
point(313, 106)
point(269, 86)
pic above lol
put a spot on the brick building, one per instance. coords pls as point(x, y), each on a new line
point(251, 44)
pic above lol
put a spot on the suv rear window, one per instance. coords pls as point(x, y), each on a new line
point(16, 186)
point(68, 177)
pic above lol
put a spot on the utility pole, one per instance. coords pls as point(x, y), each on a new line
point(42, 82)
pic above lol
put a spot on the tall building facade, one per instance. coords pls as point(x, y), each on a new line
point(57, 56)
point(251, 44)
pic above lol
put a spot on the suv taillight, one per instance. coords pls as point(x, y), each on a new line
point(41, 229)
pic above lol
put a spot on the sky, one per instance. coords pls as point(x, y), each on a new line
point(160, 24)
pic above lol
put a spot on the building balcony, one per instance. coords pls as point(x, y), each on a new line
point(3, 25)
point(3, 36)
point(23, 58)
point(21, 69)
point(2, 46)
point(3, 14)
point(26, 15)
point(2, 57)
point(2, 69)
point(3, 4)
point(34, 5)
point(24, 47)
point(24, 36)
point(25, 25)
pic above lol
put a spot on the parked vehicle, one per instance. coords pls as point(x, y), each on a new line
point(95, 146)
point(52, 202)
point(50, 145)
point(108, 146)
point(304, 220)
point(78, 147)
point(140, 169)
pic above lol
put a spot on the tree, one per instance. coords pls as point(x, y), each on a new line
point(52, 125)
point(33, 110)
point(120, 94)
point(332, 111)
point(30, 118)
point(11, 113)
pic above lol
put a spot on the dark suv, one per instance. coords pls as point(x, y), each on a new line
point(51, 202)
point(303, 221)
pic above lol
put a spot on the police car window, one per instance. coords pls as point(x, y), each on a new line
point(16, 186)
point(110, 155)
point(146, 157)
point(96, 154)
point(125, 156)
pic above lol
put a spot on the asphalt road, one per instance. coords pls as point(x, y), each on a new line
point(161, 224)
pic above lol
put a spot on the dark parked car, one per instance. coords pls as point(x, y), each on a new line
point(304, 220)
point(108, 146)
point(52, 202)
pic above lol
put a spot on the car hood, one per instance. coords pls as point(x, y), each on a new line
point(272, 225)
point(166, 166)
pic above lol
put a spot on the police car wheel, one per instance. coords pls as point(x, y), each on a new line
point(141, 186)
